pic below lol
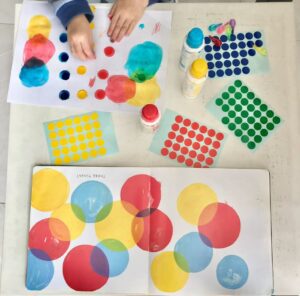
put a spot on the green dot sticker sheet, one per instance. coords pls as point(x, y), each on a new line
point(245, 114)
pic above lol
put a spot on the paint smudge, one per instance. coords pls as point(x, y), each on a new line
point(92, 82)
point(39, 24)
point(120, 88)
point(141, 26)
point(156, 28)
point(144, 61)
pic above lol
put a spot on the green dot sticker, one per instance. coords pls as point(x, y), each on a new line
point(244, 114)
point(251, 145)
point(257, 101)
point(263, 120)
point(244, 102)
point(225, 95)
point(225, 108)
point(238, 83)
point(238, 132)
point(250, 120)
point(245, 126)
point(257, 126)
point(231, 89)
point(231, 114)
point(250, 95)
point(250, 108)
point(270, 113)
point(251, 132)
point(238, 95)
point(219, 102)
point(238, 120)
point(245, 139)
point(263, 107)
point(231, 126)
point(225, 120)
point(238, 108)
point(264, 132)
point(257, 113)
point(257, 139)
point(276, 119)
point(244, 89)
point(231, 102)
point(270, 126)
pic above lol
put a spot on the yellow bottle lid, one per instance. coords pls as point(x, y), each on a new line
point(199, 68)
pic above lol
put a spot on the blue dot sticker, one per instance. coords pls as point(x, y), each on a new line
point(233, 45)
point(211, 74)
point(257, 35)
point(223, 38)
point(63, 57)
point(210, 65)
point(227, 63)
point(219, 64)
point(64, 95)
point(63, 37)
point(207, 40)
point(244, 62)
point(251, 52)
point(259, 43)
point(226, 55)
point(237, 71)
point(236, 62)
point(208, 48)
point(218, 56)
point(246, 70)
point(228, 72)
point(240, 36)
point(64, 75)
point(220, 73)
point(216, 48)
point(234, 54)
point(209, 57)
point(225, 46)
point(249, 35)
point(242, 44)
point(243, 53)
point(233, 37)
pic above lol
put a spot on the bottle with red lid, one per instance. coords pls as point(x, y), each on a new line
point(150, 117)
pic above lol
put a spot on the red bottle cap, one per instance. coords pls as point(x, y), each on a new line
point(150, 113)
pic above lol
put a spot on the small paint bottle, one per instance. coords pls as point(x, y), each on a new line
point(194, 79)
point(150, 118)
point(192, 46)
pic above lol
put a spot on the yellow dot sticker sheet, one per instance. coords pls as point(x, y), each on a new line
point(80, 137)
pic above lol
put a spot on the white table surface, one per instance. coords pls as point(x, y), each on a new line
point(279, 154)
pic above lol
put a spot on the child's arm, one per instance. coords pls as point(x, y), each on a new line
point(75, 15)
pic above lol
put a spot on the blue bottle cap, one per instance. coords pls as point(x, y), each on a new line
point(195, 38)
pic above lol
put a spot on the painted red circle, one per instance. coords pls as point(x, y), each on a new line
point(100, 94)
point(212, 152)
point(195, 125)
point(175, 127)
point(200, 157)
point(220, 136)
point(208, 141)
point(191, 134)
point(179, 138)
point(109, 51)
point(176, 147)
point(192, 154)
point(203, 129)
point(204, 149)
point(102, 74)
point(216, 144)
point(197, 165)
point(209, 161)
point(211, 132)
point(171, 135)
point(224, 227)
point(178, 119)
point(183, 130)
point(168, 143)
point(81, 266)
point(184, 150)
point(180, 158)
point(199, 137)
point(188, 142)
point(196, 145)
point(172, 155)
point(164, 151)
point(189, 162)
point(187, 122)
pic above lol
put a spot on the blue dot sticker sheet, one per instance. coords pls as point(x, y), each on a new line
point(240, 54)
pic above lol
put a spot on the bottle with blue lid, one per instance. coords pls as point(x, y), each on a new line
point(192, 46)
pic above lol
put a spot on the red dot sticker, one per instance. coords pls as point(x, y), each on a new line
point(172, 155)
point(189, 162)
point(183, 130)
point(179, 138)
point(199, 137)
point(203, 129)
point(181, 159)
point(168, 143)
point(220, 136)
point(102, 74)
point(100, 94)
point(187, 122)
point(109, 51)
point(209, 161)
point(216, 144)
point(192, 154)
point(212, 152)
point(178, 119)
point(204, 149)
point(211, 132)
point(164, 151)
point(188, 142)
point(208, 141)
point(191, 134)
point(176, 147)
point(175, 127)
point(171, 135)
point(197, 165)
point(200, 157)
point(184, 150)
point(196, 146)
point(195, 125)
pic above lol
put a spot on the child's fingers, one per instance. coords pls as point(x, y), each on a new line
point(78, 51)
point(123, 30)
point(113, 24)
point(118, 27)
point(112, 10)
point(130, 28)
point(87, 48)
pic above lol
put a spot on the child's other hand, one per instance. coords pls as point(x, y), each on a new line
point(80, 38)
point(124, 16)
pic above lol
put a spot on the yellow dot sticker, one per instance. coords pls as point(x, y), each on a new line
point(68, 121)
point(67, 159)
point(54, 144)
point(63, 142)
point(100, 142)
point(102, 151)
point(96, 124)
point(87, 127)
point(51, 126)
point(70, 131)
point(76, 157)
point(65, 150)
point(58, 161)
point(91, 144)
point(86, 118)
point(72, 140)
point(52, 135)
point(77, 120)
point(81, 138)
point(98, 134)
point(79, 129)
point(93, 153)
point(84, 155)
point(94, 116)
point(82, 94)
point(74, 148)
point(59, 124)
point(89, 135)
point(61, 133)
point(82, 146)
point(56, 152)
point(81, 70)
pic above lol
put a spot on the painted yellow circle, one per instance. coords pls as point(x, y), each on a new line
point(84, 155)
point(67, 159)
point(192, 201)
point(39, 24)
point(72, 140)
point(87, 127)
point(51, 126)
point(74, 148)
point(166, 275)
point(86, 117)
point(58, 161)
point(66, 214)
point(77, 120)
point(63, 142)
point(82, 94)
point(68, 121)
point(81, 70)
point(81, 138)
point(82, 146)
point(70, 131)
point(76, 157)
point(60, 124)
point(50, 189)
point(61, 133)
point(94, 116)
point(98, 134)
point(52, 135)
point(54, 144)
point(91, 144)
point(96, 124)
point(89, 135)
point(56, 152)
point(92, 26)
point(65, 150)
point(93, 153)
point(100, 142)
point(79, 129)
point(102, 151)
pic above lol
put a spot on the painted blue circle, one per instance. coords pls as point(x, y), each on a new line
point(198, 254)
point(220, 73)
point(259, 43)
point(228, 72)
point(63, 57)
point(64, 95)
point(246, 70)
point(243, 53)
point(211, 74)
point(207, 40)
point(209, 57)
point(249, 35)
point(63, 37)
point(225, 46)
point(251, 52)
point(242, 44)
point(64, 75)
point(34, 73)
point(237, 71)
point(39, 272)
point(233, 37)
point(226, 55)
point(244, 62)
point(240, 36)
point(232, 272)
point(236, 62)
point(233, 45)
point(219, 64)
point(223, 38)
point(208, 48)
point(227, 63)
point(250, 44)
point(210, 65)
point(218, 56)
point(92, 197)
point(234, 54)
point(216, 48)
point(117, 258)
point(257, 35)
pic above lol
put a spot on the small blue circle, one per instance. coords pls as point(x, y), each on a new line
point(236, 62)
point(233, 37)
point(242, 44)
point(249, 35)
point(64, 95)
point(240, 36)
point(244, 62)
point(232, 272)
point(211, 74)
point(207, 40)
point(233, 45)
point(216, 48)
point(259, 43)
point(220, 73)
point(227, 63)
point(218, 56)
point(237, 71)
point(243, 53)
point(234, 54)
point(63, 57)
point(208, 48)
point(223, 38)
point(228, 72)
point(64, 75)
point(209, 57)
point(210, 65)
point(219, 64)
point(63, 37)
point(251, 52)
point(246, 70)
point(226, 55)
point(257, 35)
point(250, 44)
point(225, 46)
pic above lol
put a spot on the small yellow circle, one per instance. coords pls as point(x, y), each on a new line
point(81, 70)
point(82, 94)
point(51, 126)
point(92, 26)
point(65, 150)
point(98, 134)
point(68, 121)
point(60, 124)
point(82, 146)
point(79, 129)
point(100, 142)
point(84, 155)
point(72, 140)
point(94, 116)
point(61, 133)
point(76, 157)
point(52, 135)
point(77, 120)
point(86, 118)
point(63, 142)
point(96, 124)
point(93, 153)
point(70, 131)
point(56, 152)
point(67, 159)
point(58, 161)
point(90, 135)
point(74, 148)
point(91, 144)
point(102, 151)
point(87, 127)
point(80, 138)
point(54, 144)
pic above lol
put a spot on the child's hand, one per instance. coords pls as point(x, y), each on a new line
point(124, 16)
point(80, 38)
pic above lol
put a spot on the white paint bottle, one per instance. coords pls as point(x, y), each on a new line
point(193, 44)
point(150, 118)
point(194, 79)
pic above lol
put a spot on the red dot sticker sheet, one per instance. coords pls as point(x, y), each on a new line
point(187, 142)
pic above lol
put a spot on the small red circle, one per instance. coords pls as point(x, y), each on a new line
point(196, 145)
point(180, 158)
point(204, 149)
point(192, 154)
point(199, 137)
point(184, 150)
point(212, 152)
point(175, 127)
point(188, 142)
point(209, 161)
point(109, 51)
point(171, 135)
point(191, 134)
point(187, 122)
point(211, 132)
point(178, 118)
point(197, 165)
point(150, 113)
point(179, 138)
point(220, 136)
point(164, 151)
point(168, 143)
point(203, 129)
point(100, 94)
point(208, 141)
point(172, 155)
point(176, 147)
point(183, 130)
point(103, 74)
point(189, 162)
point(200, 157)
point(216, 144)
point(195, 125)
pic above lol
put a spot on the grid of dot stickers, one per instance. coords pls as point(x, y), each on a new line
point(233, 57)
point(191, 143)
point(75, 138)
point(245, 114)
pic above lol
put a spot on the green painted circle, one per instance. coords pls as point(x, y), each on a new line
point(238, 83)
point(219, 102)
point(238, 132)
point(245, 139)
point(250, 108)
point(257, 113)
point(238, 120)
point(250, 95)
point(238, 108)
point(263, 107)
point(257, 126)
point(270, 113)
point(270, 126)
point(231, 114)
point(245, 126)
point(225, 120)
point(244, 89)
point(244, 102)
point(244, 114)
point(232, 126)
point(251, 132)
point(251, 145)
point(263, 119)
point(250, 120)
point(264, 132)
point(225, 95)
point(231, 89)
point(257, 101)
point(238, 95)
point(276, 120)
point(231, 102)
point(257, 139)
point(225, 108)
